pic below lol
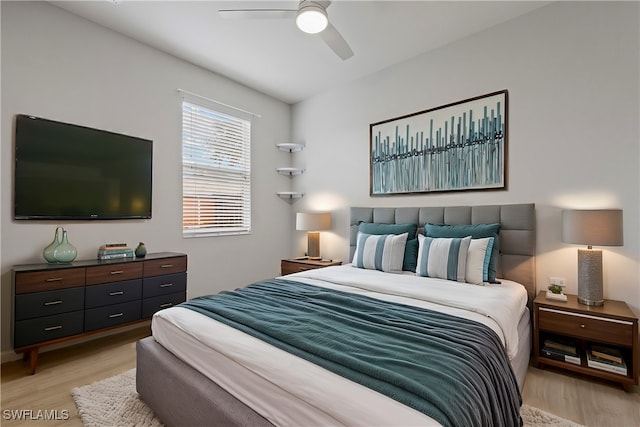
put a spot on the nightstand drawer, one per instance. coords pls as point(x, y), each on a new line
point(289, 268)
point(586, 326)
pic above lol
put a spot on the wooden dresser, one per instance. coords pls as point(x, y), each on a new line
point(53, 303)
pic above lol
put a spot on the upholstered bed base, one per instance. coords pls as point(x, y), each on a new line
point(181, 396)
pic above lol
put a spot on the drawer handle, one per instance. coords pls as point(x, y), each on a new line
point(53, 328)
point(53, 302)
point(112, 316)
point(166, 305)
point(111, 294)
point(116, 272)
point(166, 285)
point(582, 326)
point(54, 279)
point(166, 266)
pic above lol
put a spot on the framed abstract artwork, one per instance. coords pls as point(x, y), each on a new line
point(455, 147)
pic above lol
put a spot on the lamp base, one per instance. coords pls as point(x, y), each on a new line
point(313, 244)
point(590, 277)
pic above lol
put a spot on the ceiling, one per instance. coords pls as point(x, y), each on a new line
point(274, 57)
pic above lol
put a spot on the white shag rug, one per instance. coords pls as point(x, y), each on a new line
point(115, 402)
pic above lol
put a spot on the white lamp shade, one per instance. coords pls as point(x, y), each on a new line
point(313, 221)
point(601, 227)
point(312, 19)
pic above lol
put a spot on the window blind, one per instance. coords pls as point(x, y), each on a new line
point(216, 172)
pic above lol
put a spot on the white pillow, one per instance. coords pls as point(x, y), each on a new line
point(383, 252)
point(478, 261)
point(444, 258)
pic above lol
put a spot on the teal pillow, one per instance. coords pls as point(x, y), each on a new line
point(411, 248)
point(476, 231)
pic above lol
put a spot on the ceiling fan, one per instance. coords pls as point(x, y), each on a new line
point(311, 17)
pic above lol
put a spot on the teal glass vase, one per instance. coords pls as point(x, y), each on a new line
point(65, 252)
point(141, 250)
point(47, 253)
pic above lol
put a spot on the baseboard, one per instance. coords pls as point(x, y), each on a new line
point(9, 356)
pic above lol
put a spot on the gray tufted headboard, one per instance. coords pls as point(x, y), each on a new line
point(517, 235)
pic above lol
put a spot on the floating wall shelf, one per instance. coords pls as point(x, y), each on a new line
point(290, 147)
point(289, 194)
point(290, 171)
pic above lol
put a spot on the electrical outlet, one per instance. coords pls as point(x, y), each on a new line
point(560, 281)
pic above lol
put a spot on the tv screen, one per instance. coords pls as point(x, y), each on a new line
point(65, 171)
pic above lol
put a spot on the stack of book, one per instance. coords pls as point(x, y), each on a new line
point(606, 359)
point(560, 349)
point(115, 251)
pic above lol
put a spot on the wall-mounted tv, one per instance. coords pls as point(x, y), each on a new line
point(70, 172)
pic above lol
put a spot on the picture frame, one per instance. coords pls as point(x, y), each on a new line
point(460, 146)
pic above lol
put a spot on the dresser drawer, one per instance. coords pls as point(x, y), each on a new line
point(111, 315)
point(47, 303)
point(48, 328)
point(159, 267)
point(586, 326)
point(114, 273)
point(151, 305)
point(47, 280)
point(163, 285)
point(113, 293)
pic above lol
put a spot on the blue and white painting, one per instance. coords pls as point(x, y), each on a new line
point(460, 146)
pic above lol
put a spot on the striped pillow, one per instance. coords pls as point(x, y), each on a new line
point(478, 261)
point(384, 252)
point(444, 258)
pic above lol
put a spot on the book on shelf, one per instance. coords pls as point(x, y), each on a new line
point(564, 345)
point(113, 247)
point(608, 353)
point(555, 354)
point(120, 255)
point(115, 251)
point(606, 365)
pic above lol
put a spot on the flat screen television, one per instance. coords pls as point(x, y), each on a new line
point(70, 172)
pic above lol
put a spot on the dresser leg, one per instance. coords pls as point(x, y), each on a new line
point(32, 356)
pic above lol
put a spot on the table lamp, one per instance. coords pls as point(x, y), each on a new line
point(313, 223)
point(602, 227)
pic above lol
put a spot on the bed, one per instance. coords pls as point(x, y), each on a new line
point(196, 370)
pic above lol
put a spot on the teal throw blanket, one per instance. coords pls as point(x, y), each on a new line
point(451, 369)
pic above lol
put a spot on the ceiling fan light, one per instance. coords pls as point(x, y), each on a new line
point(312, 19)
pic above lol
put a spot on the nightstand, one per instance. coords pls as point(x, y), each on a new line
point(288, 266)
point(612, 325)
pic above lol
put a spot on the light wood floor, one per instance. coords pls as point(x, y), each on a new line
point(585, 402)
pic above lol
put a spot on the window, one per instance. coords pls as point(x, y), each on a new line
point(216, 172)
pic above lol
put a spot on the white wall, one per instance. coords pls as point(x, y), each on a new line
point(571, 70)
point(59, 66)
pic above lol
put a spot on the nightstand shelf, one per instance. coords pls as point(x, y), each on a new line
point(288, 266)
point(613, 325)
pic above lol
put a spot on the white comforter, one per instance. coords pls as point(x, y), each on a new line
point(290, 391)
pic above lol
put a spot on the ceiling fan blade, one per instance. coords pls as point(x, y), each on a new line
point(258, 13)
point(334, 40)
